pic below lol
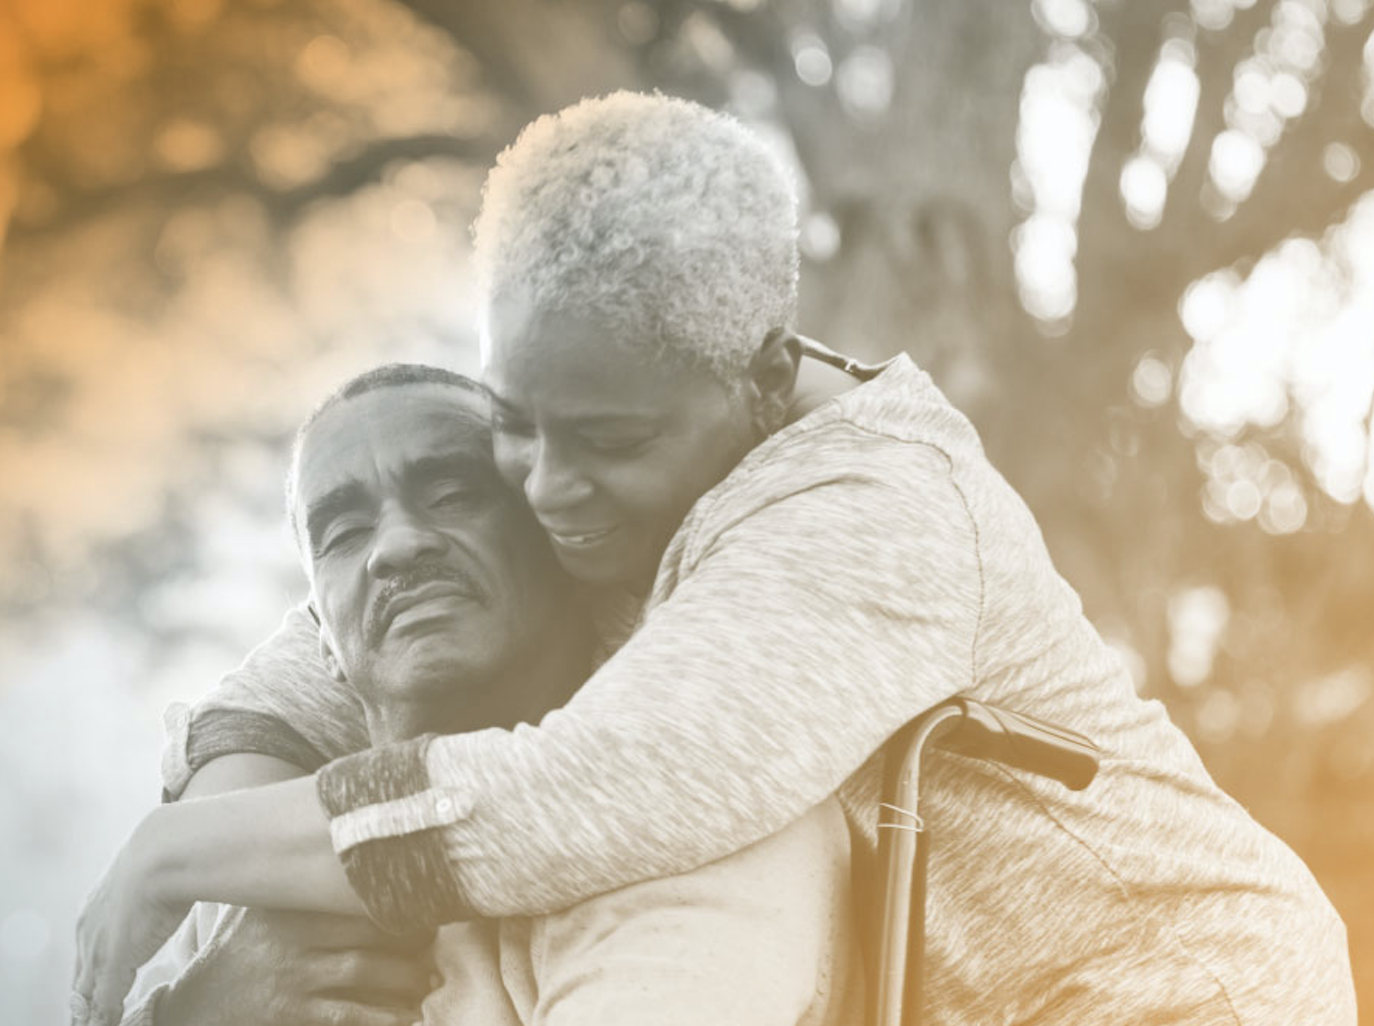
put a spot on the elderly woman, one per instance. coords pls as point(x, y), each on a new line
point(778, 598)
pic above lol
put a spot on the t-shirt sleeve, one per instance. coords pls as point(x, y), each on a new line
point(799, 636)
point(280, 701)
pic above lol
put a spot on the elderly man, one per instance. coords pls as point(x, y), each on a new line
point(441, 607)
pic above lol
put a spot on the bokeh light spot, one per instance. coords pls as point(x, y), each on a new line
point(185, 145)
point(1151, 381)
point(1068, 18)
point(1144, 188)
point(1333, 697)
point(1237, 159)
point(1197, 619)
point(811, 60)
point(638, 22)
point(324, 63)
point(1340, 162)
point(820, 236)
point(864, 81)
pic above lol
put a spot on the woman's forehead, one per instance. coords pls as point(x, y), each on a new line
point(576, 379)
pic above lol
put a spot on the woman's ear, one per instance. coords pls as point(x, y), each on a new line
point(773, 378)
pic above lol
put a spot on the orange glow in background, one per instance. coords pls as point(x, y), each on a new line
point(1134, 241)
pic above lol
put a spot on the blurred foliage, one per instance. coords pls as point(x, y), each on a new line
point(1128, 238)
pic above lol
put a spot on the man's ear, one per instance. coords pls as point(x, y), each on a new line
point(773, 378)
point(327, 656)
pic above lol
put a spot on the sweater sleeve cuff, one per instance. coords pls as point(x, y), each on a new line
point(198, 738)
point(386, 824)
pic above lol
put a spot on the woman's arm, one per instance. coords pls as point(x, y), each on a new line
point(267, 967)
point(262, 846)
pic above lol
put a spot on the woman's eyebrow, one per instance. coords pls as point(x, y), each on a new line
point(579, 420)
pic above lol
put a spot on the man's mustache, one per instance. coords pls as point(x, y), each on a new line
point(379, 614)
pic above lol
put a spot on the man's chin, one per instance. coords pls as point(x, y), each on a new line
point(428, 651)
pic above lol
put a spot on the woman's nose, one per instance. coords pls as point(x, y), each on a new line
point(553, 480)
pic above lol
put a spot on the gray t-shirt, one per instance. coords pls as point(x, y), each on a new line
point(855, 569)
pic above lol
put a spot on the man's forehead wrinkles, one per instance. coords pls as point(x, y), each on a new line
point(463, 462)
point(458, 419)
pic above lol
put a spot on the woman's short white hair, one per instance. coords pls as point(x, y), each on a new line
point(672, 224)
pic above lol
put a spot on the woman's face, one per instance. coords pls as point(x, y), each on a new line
point(610, 449)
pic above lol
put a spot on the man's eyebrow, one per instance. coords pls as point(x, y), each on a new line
point(340, 499)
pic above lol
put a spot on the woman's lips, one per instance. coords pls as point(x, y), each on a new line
point(578, 539)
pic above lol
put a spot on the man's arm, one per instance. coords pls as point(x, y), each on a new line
point(237, 772)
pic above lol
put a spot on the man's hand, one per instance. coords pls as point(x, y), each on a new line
point(266, 968)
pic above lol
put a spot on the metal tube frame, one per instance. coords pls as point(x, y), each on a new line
point(899, 991)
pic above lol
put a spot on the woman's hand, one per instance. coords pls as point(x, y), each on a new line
point(126, 919)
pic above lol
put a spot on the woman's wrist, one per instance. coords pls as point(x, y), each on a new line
point(263, 846)
point(160, 869)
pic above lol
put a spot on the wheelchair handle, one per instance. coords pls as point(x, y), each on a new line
point(1022, 742)
point(969, 728)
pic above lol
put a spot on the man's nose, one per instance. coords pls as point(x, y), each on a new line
point(401, 541)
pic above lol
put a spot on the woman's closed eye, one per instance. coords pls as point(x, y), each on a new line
point(615, 445)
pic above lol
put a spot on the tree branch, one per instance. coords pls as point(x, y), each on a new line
point(283, 205)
